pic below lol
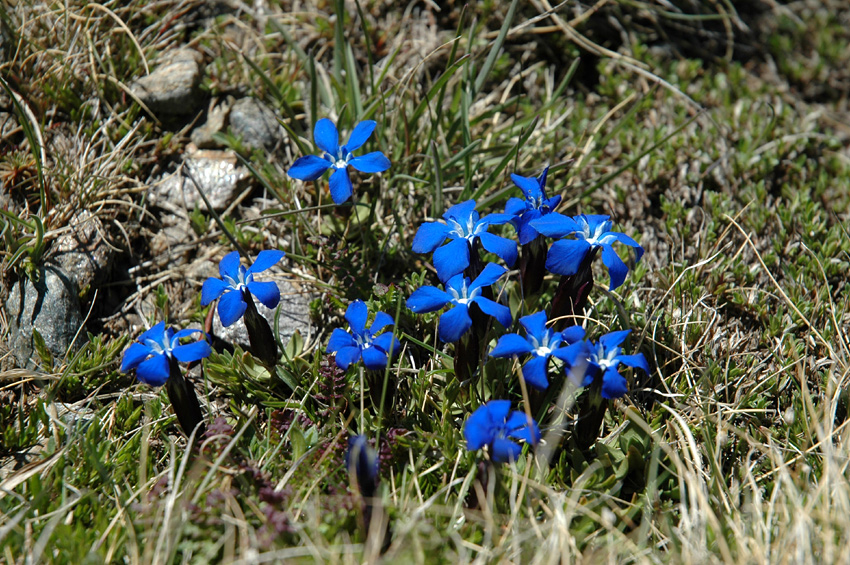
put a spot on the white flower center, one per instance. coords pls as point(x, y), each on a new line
point(596, 238)
point(468, 232)
point(464, 297)
point(604, 359)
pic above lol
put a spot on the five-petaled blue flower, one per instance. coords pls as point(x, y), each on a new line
point(311, 167)
point(237, 284)
point(460, 293)
point(534, 206)
point(603, 359)
point(463, 226)
point(494, 425)
point(542, 343)
point(363, 342)
point(151, 354)
point(591, 231)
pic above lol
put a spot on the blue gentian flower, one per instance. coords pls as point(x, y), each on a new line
point(461, 294)
point(541, 342)
point(534, 206)
point(463, 226)
point(311, 167)
point(591, 232)
point(494, 425)
point(237, 284)
point(363, 343)
point(151, 354)
point(362, 462)
point(603, 359)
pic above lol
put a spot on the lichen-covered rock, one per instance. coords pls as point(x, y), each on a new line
point(82, 253)
point(216, 172)
point(50, 306)
point(172, 88)
point(255, 123)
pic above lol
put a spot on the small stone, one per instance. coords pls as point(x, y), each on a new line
point(202, 136)
point(294, 316)
point(82, 253)
point(172, 89)
point(216, 172)
point(50, 306)
point(255, 123)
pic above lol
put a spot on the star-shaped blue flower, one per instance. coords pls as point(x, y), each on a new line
point(591, 231)
point(151, 354)
point(534, 206)
point(495, 426)
point(541, 342)
point(363, 342)
point(237, 284)
point(603, 359)
point(463, 226)
point(311, 167)
point(461, 294)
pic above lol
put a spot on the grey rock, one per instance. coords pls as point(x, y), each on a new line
point(82, 253)
point(172, 89)
point(294, 316)
point(202, 136)
point(255, 123)
point(51, 307)
point(216, 172)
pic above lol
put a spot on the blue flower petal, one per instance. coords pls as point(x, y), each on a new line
point(451, 259)
point(134, 355)
point(489, 275)
point(515, 206)
point(266, 292)
point(461, 211)
point(555, 225)
point(184, 333)
point(524, 228)
point(566, 255)
point(454, 323)
point(572, 334)
point(326, 136)
point(346, 356)
point(192, 351)
point(623, 238)
point(309, 167)
point(519, 427)
point(553, 202)
point(266, 259)
point(427, 299)
point(356, 315)
point(339, 339)
point(535, 324)
point(229, 266)
point(496, 219)
point(212, 289)
point(511, 344)
point(637, 360)
point(387, 343)
point(501, 313)
point(504, 248)
point(478, 429)
point(231, 306)
point(617, 270)
point(360, 135)
point(530, 186)
point(534, 372)
point(429, 236)
point(154, 371)
point(382, 320)
point(504, 450)
point(571, 354)
point(595, 220)
point(374, 358)
point(340, 186)
point(156, 333)
point(611, 340)
point(613, 384)
point(498, 410)
point(375, 162)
